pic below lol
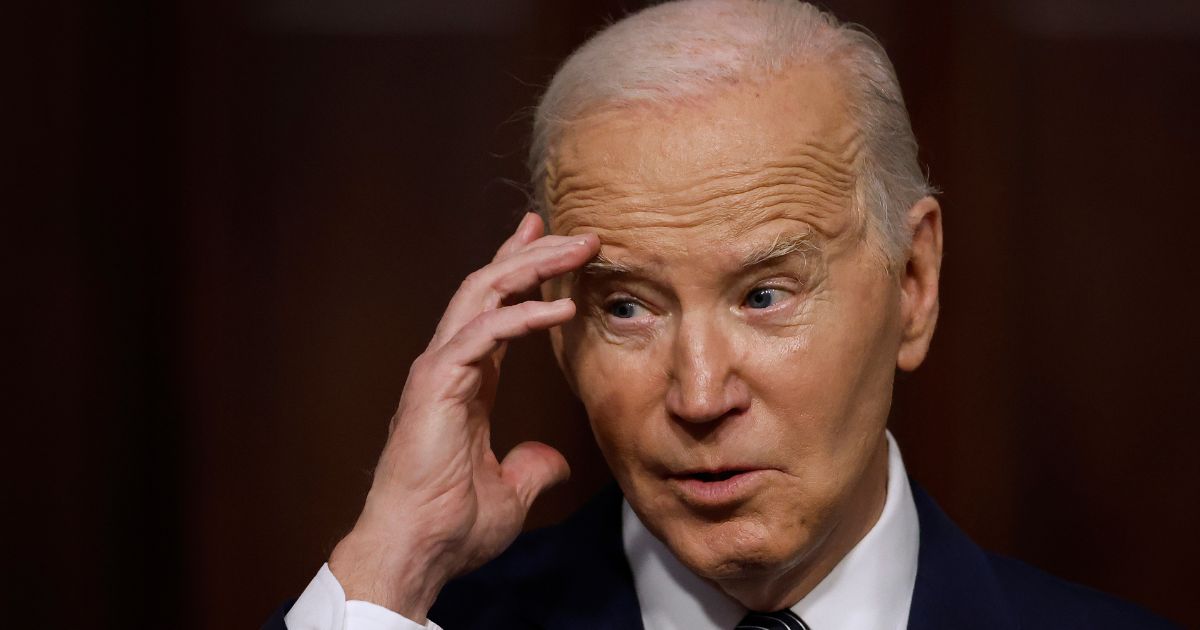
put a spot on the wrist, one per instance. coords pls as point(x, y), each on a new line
point(400, 573)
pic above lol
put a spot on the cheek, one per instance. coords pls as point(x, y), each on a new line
point(827, 388)
point(622, 390)
point(865, 340)
point(786, 373)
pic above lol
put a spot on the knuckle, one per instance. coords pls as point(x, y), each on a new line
point(420, 364)
point(532, 307)
point(507, 249)
point(482, 283)
point(473, 280)
point(418, 374)
point(484, 321)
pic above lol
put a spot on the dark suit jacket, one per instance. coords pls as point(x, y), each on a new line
point(574, 576)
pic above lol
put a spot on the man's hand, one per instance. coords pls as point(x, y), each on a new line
point(441, 503)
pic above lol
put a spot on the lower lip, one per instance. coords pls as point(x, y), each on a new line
point(723, 493)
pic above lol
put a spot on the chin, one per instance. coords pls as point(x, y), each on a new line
point(738, 548)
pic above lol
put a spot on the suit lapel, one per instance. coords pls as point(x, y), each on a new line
point(956, 587)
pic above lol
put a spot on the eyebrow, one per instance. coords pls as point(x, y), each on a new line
point(602, 265)
point(781, 247)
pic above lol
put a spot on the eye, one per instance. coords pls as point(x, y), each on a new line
point(624, 309)
point(763, 297)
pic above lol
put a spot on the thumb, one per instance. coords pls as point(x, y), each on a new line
point(531, 468)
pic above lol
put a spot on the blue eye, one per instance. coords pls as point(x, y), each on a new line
point(761, 298)
point(623, 309)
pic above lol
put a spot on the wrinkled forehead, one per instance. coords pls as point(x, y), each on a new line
point(759, 158)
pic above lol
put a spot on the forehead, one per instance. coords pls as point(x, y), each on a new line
point(757, 158)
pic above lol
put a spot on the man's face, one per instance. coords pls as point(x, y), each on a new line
point(737, 338)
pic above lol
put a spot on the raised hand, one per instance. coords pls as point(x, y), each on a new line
point(441, 503)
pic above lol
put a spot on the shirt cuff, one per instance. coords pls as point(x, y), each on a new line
point(362, 615)
point(323, 606)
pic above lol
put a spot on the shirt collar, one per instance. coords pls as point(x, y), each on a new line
point(869, 589)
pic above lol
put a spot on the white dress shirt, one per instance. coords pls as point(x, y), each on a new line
point(870, 589)
point(323, 606)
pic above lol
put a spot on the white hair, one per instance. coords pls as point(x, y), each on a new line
point(676, 51)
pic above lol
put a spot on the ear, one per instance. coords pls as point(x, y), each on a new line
point(919, 283)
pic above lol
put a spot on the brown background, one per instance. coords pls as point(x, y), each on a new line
point(232, 225)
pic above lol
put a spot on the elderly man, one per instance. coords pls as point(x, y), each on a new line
point(741, 251)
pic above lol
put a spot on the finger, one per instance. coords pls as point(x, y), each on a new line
point(527, 230)
point(531, 468)
point(550, 240)
point(527, 270)
point(487, 288)
point(478, 339)
point(544, 242)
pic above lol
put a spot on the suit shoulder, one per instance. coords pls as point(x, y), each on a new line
point(1044, 601)
point(545, 554)
point(960, 585)
point(533, 556)
point(495, 594)
point(584, 554)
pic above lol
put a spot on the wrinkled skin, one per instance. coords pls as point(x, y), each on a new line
point(738, 316)
point(691, 352)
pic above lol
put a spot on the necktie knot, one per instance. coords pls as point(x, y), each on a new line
point(778, 620)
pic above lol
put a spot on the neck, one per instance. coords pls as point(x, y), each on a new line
point(783, 588)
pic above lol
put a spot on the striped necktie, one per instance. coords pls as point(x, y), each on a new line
point(779, 620)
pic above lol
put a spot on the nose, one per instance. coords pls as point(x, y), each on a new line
point(705, 385)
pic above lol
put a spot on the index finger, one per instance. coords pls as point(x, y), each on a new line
point(487, 288)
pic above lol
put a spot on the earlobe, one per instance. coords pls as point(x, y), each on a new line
point(919, 283)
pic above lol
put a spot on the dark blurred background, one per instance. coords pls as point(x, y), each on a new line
point(232, 225)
